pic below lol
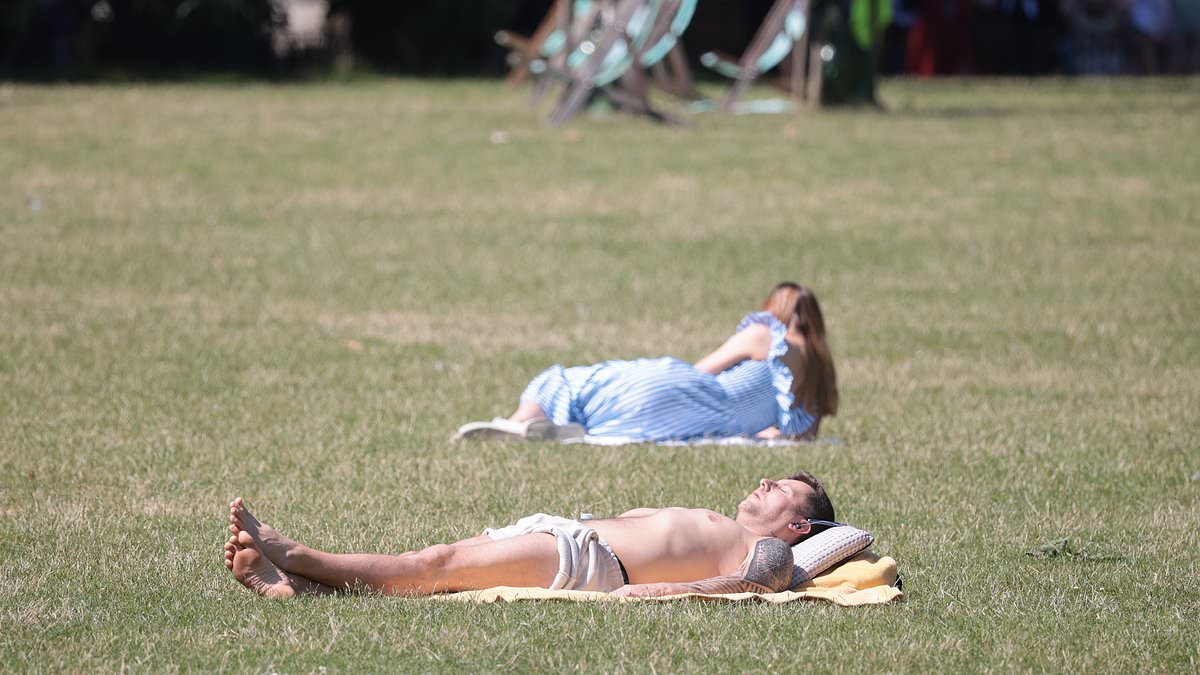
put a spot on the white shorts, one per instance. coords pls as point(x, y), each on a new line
point(585, 561)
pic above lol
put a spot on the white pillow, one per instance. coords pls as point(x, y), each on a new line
point(822, 551)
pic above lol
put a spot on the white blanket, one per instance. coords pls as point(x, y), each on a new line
point(725, 440)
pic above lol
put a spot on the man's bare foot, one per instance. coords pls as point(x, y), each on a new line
point(256, 572)
point(231, 549)
point(265, 538)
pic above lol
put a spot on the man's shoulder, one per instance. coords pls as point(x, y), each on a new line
point(770, 564)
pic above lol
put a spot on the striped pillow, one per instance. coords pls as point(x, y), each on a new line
point(822, 551)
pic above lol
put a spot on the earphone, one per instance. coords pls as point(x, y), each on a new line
point(815, 521)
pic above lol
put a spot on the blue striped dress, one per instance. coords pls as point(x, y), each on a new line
point(667, 399)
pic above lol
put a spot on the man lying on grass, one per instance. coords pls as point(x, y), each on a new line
point(643, 552)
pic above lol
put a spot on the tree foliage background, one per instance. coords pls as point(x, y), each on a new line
point(86, 38)
point(438, 37)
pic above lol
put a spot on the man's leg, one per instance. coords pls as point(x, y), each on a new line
point(527, 560)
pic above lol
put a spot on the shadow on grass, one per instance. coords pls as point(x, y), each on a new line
point(1070, 110)
point(1064, 549)
point(953, 112)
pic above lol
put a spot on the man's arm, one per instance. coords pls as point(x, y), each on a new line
point(767, 570)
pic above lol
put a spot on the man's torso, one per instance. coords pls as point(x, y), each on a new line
point(676, 544)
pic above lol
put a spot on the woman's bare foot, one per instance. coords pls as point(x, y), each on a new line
point(526, 411)
point(255, 571)
point(265, 538)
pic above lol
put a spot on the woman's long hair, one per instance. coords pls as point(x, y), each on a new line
point(816, 387)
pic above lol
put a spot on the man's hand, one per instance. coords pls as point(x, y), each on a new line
point(650, 590)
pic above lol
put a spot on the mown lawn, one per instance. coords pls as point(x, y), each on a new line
point(296, 293)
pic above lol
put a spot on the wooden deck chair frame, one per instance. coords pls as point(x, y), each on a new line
point(575, 26)
point(674, 76)
point(640, 35)
point(597, 59)
point(565, 25)
point(664, 54)
point(666, 58)
point(780, 34)
point(525, 50)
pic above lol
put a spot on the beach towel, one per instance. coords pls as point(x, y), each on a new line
point(865, 579)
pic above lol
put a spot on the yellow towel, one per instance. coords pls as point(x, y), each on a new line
point(865, 579)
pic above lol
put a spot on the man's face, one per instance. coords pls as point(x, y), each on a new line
point(776, 501)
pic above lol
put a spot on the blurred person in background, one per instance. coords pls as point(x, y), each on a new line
point(773, 378)
point(1149, 31)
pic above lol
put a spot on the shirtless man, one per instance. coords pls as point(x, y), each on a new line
point(643, 552)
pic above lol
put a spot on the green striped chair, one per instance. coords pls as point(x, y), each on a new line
point(777, 37)
point(559, 32)
point(630, 36)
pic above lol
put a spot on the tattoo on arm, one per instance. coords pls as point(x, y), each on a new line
point(769, 570)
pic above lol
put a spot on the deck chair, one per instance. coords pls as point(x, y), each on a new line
point(621, 35)
point(570, 30)
point(559, 32)
point(522, 49)
point(634, 35)
point(666, 59)
point(776, 38)
point(674, 76)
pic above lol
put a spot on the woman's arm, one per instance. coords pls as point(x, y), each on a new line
point(773, 432)
point(768, 433)
point(753, 342)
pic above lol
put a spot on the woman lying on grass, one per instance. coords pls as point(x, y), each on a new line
point(774, 378)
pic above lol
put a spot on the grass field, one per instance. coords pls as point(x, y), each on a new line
point(295, 294)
